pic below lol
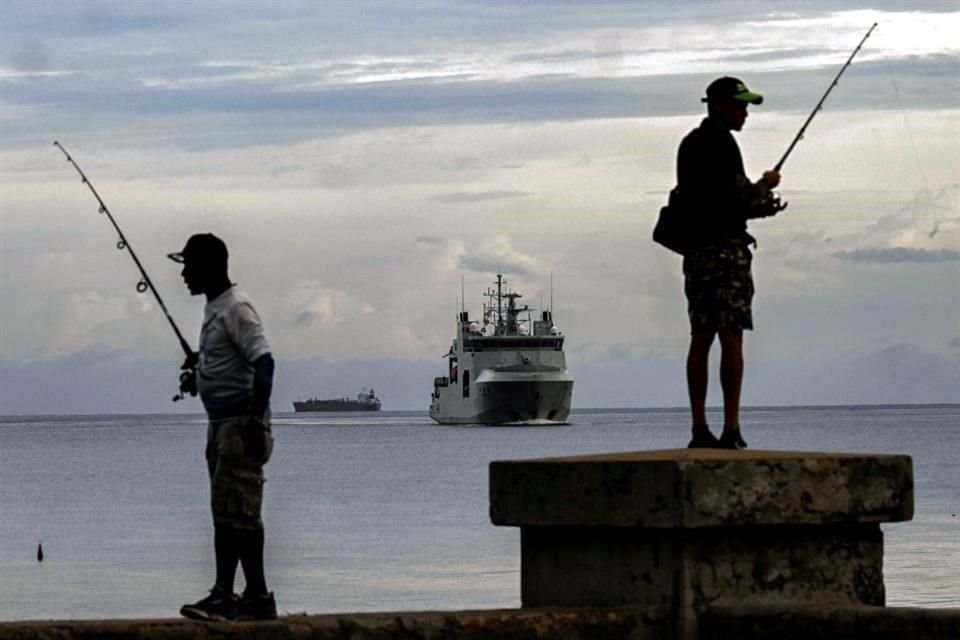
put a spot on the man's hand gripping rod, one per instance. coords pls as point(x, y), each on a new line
point(772, 202)
point(188, 376)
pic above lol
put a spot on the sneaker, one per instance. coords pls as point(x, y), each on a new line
point(257, 607)
point(731, 439)
point(703, 438)
point(219, 605)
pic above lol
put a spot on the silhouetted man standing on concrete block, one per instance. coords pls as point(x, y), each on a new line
point(234, 377)
point(719, 199)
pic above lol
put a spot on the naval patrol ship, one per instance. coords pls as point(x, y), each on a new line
point(509, 368)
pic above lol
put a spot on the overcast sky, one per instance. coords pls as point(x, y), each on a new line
point(360, 158)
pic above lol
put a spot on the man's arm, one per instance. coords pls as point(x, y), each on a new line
point(262, 385)
point(246, 332)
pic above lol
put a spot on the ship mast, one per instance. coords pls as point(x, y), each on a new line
point(506, 321)
point(500, 327)
point(498, 294)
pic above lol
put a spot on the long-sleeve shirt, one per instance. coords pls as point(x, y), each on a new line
point(713, 186)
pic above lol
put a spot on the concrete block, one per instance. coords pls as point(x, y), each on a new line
point(685, 530)
point(689, 488)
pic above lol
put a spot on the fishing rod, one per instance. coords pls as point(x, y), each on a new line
point(145, 283)
point(803, 129)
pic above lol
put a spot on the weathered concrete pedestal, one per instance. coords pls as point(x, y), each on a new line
point(680, 531)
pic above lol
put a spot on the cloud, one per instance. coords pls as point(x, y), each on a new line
point(896, 374)
point(284, 107)
point(104, 380)
point(437, 254)
point(98, 379)
point(774, 54)
point(306, 318)
point(338, 145)
point(621, 352)
point(102, 20)
point(955, 343)
point(101, 380)
point(897, 254)
point(924, 213)
point(31, 57)
point(479, 196)
point(319, 306)
point(612, 63)
point(915, 227)
point(483, 264)
point(499, 256)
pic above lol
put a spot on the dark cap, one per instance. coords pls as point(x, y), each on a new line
point(727, 88)
point(202, 246)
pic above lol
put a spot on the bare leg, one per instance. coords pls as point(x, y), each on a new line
point(731, 375)
point(698, 360)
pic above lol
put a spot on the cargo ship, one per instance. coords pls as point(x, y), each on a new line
point(365, 401)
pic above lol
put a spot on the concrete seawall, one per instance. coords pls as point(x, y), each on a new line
point(718, 623)
point(455, 625)
point(691, 545)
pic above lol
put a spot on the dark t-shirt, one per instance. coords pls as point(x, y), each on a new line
point(713, 187)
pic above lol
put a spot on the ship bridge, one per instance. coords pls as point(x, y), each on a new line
point(473, 344)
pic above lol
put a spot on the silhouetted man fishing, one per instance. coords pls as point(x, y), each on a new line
point(718, 199)
point(705, 220)
point(234, 377)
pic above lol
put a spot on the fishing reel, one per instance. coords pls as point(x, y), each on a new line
point(769, 204)
point(188, 377)
point(188, 384)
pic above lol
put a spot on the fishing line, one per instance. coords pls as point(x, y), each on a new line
point(906, 125)
point(927, 193)
point(145, 282)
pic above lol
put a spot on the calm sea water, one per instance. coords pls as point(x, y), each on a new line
point(379, 512)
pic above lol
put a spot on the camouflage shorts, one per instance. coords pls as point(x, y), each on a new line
point(236, 480)
point(719, 288)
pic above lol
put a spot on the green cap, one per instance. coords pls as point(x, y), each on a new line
point(727, 88)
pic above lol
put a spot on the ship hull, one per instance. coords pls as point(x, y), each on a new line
point(511, 398)
point(330, 406)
